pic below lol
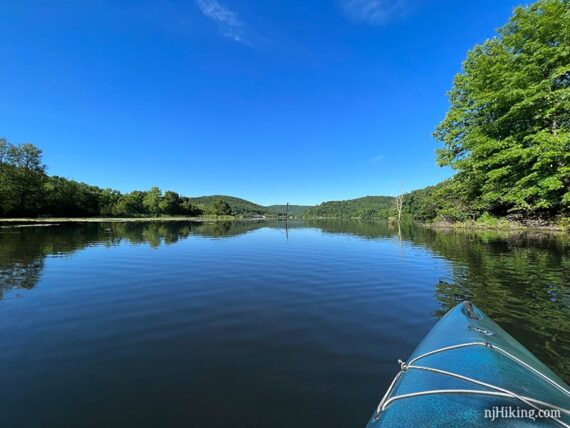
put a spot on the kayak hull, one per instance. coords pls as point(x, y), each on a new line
point(474, 374)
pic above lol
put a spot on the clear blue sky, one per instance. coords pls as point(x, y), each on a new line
point(272, 101)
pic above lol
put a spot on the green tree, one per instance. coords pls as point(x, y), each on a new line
point(130, 204)
point(187, 208)
point(22, 174)
point(68, 198)
point(4, 147)
point(221, 207)
point(151, 201)
point(170, 203)
point(507, 131)
point(26, 157)
point(5, 201)
point(108, 199)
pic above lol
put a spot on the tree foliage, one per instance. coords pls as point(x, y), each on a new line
point(444, 201)
point(239, 207)
point(507, 131)
point(22, 175)
point(367, 207)
point(220, 207)
point(64, 197)
point(151, 201)
point(292, 210)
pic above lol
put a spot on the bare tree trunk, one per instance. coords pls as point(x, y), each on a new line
point(399, 203)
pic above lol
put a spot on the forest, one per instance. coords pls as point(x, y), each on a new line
point(368, 207)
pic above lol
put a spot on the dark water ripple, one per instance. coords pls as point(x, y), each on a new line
point(248, 324)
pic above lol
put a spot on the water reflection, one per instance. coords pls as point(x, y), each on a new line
point(520, 279)
point(23, 248)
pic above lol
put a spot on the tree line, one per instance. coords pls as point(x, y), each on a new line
point(368, 207)
point(26, 190)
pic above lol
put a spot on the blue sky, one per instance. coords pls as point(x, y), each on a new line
point(272, 101)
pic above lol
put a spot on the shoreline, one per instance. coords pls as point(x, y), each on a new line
point(501, 226)
point(55, 220)
point(504, 227)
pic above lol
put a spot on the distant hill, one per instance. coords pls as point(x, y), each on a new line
point(244, 208)
point(240, 207)
point(366, 207)
point(294, 210)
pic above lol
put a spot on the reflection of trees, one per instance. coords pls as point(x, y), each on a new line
point(363, 229)
point(23, 249)
point(227, 229)
point(20, 275)
point(520, 279)
point(368, 229)
point(224, 228)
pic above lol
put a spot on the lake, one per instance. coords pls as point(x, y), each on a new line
point(250, 324)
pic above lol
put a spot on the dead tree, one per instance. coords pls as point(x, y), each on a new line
point(399, 202)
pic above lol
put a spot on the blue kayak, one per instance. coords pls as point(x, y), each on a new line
point(469, 372)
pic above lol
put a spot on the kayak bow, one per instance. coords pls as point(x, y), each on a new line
point(469, 372)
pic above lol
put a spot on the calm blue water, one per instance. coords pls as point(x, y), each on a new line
point(248, 324)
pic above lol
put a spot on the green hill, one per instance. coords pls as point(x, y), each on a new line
point(294, 210)
point(244, 208)
point(240, 207)
point(366, 207)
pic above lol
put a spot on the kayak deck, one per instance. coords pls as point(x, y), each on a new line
point(470, 372)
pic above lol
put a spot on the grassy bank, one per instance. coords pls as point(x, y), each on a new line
point(487, 222)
